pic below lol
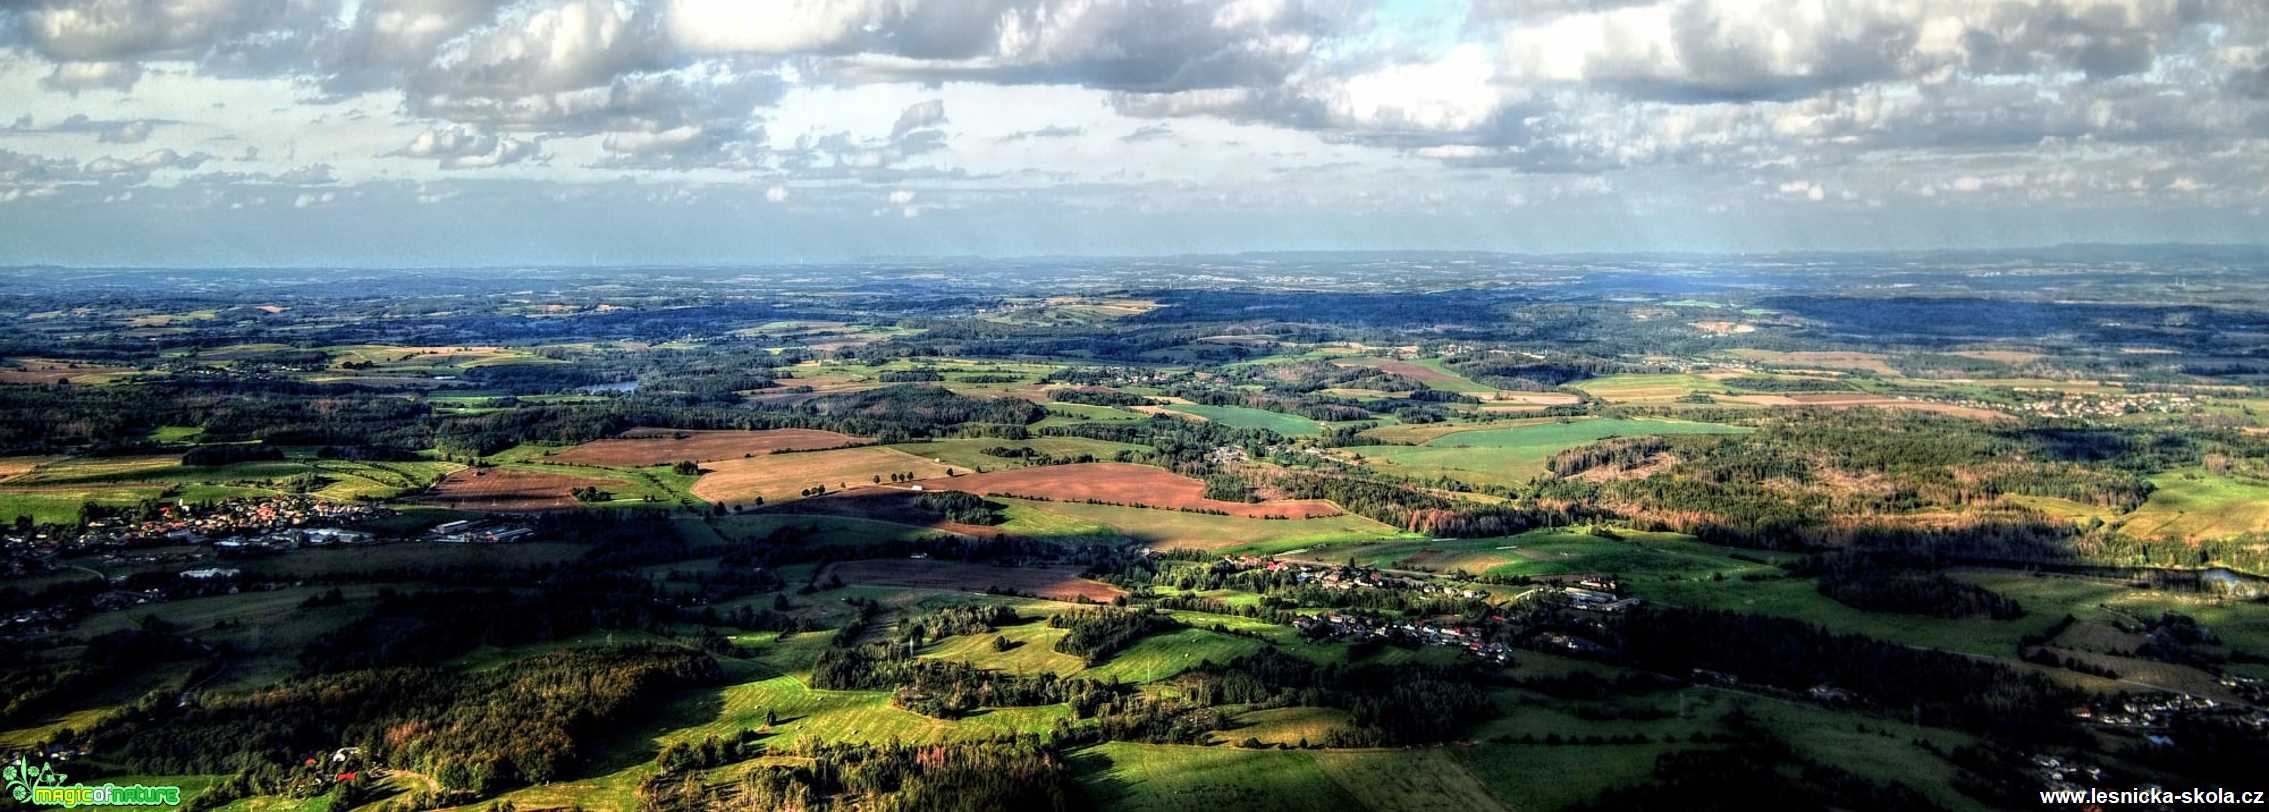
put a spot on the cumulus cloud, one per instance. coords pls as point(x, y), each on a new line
point(919, 115)
point(73, 77)
point(467, 148)
point(1148, 132)
point(120, 131)
point(1114, 44)
point(1051, 131)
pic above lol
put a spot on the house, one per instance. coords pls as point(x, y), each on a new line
point(1587, 596)
point(212, 574)
point(447, 528)
point(333, 535)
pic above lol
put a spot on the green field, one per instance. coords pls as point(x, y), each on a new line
point(1173, 528)
point(175, 434)
point(1646, 387)
point(1552, 552)
point(1180, 778)
point(1163, 655)
point(2193, 505)
point(1079, 411)
point(1510, 457)
point(1035, 651)
point(863, 716)
point(1288, 726)
point(1289, 425)
point(825, 529)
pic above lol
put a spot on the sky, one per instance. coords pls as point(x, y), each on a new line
point(474, 132)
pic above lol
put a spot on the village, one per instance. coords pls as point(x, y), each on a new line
point(187, 523)
point(1492, 638)
point(186, 550)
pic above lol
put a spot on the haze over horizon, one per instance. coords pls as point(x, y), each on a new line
point(474, 132)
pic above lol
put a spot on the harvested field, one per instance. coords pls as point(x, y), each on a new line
point(1124, 484)
point(1054, 582)
point(510, 490)
point(781, 477)
point(642, 447)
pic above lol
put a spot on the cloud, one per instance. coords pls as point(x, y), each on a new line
point(917, 116)
point(1804, 189)
point(1147, 132)
point(74, 77)
point(467, 148)
point(105, 30)
point(1052, 131)
point(1111, 44)
point(138, 169)
point(125, 131)
point(1715, 51)
point(1662, 104)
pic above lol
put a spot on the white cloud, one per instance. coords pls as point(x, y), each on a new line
point(918, 116)
point(467, 148)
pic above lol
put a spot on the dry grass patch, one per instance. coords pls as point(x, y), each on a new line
point(780, 477)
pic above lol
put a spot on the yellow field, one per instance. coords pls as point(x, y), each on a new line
point(781, 477)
